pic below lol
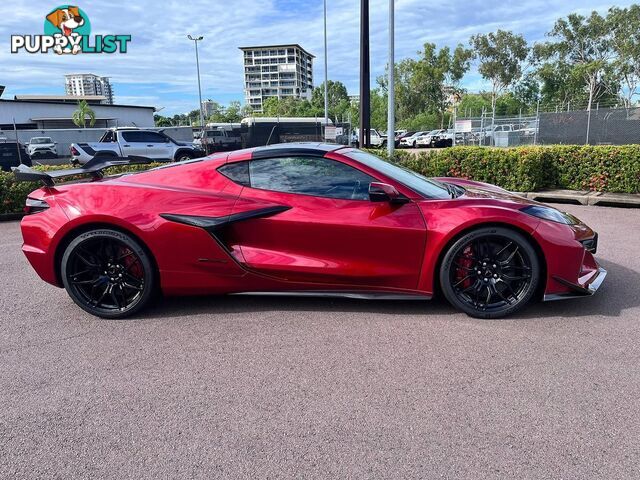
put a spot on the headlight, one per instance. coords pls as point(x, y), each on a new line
point(551, 214)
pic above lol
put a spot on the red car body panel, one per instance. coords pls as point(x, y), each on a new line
point(314, 244)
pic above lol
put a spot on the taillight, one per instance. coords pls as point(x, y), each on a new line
point(74, 152)
point(34, 205)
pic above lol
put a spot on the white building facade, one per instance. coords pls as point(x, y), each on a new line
point(276, 71)
point(81, 84)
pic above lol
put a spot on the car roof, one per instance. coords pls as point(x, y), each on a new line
point(295, 148)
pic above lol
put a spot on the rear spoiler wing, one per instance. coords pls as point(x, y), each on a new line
point(92, 168)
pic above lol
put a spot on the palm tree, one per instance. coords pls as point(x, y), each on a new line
point(79, 117)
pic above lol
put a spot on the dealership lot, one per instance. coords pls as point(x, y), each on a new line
point(270, 387)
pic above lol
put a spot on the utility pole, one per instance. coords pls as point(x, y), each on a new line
point(195, 41)
point(365, 74)
point(326, 71)
point(391, 108)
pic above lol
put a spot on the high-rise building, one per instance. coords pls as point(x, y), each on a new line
point(81, 84)
point(276, 71)
point(208, 108)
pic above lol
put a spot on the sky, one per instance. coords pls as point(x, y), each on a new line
point(159, 68)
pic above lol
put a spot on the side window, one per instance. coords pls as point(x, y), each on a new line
point(237, 172)
point(133, 137)
point(315, 176)
point(153, 137)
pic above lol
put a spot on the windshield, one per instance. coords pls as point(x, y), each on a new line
point(40, 140)
point(416, 182)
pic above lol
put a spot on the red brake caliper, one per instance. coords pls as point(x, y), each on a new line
point(131, 264)
point(464, 268)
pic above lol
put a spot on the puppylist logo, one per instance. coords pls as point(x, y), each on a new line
point(67, 30)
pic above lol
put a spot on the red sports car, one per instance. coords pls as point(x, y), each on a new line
point(300, 219)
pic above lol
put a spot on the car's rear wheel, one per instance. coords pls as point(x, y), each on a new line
point(107, 273)
point(490, 272)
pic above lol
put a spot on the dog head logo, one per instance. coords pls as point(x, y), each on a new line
point(68, 21)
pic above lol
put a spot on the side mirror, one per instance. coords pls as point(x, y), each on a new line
point(383, 192)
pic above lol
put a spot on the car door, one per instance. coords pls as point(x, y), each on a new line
point(132, 143)
point(159, 147)
point(326, 229)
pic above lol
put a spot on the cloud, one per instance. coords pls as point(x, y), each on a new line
point(159, 67)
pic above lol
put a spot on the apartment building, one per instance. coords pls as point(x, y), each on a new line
point(276, 71)
point(82, 84)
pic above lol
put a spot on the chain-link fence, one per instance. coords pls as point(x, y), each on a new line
point(600, 126)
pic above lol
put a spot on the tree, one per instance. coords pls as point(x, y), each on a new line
point(500, 57)
point(581, 50)
point(427, 84)
point(338, 99)
point(161, 121)
point(625, 42)
point(509, 103)
point(527, 91)
point(474, 104)
point(235, 112)
point(379, 106)
point(79, 117)
point(289, 107)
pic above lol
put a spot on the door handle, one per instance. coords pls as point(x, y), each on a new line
point(149, 145)
point(126, 145)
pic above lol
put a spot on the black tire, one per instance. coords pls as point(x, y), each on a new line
point(414, 144)
point(107, 273)
point(183, 155)
point(490, 272)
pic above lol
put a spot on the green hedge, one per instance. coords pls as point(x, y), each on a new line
point(13, 194)
point(521, 169)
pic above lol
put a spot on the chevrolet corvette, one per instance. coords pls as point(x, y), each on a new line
point(299, 219)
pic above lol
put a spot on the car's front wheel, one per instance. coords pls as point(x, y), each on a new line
point(107, 273)
point(183, 156)
point(490, 272)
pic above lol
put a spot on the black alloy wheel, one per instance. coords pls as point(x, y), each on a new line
point(107, 273)
point(490, 272)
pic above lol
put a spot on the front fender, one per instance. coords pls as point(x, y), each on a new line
point(447, 221)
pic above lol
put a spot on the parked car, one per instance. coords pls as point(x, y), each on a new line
point(125, 142)
point(300, 219)
point(219, 139)
point(12, 154)
point(410, 141)
point(529, 128)
point(402, 135)
point(42, 147)
point(429, 139)
point(489, 132)
point(377, 140)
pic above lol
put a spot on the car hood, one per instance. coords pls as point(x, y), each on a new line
point(481, 190)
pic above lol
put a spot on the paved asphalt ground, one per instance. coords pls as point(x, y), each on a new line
point(257, 387)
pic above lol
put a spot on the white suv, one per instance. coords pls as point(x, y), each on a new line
point(42, 147)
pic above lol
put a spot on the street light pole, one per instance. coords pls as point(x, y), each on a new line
point(195, 41)
point(391, 108)
point(326, 71)
point(365, 73)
